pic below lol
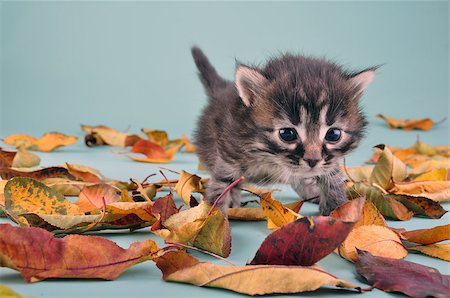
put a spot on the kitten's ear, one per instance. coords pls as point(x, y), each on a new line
point(362, 79)
point(249, 83)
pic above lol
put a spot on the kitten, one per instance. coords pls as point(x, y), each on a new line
point(288, 122)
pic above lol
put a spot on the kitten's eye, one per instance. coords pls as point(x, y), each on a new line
point(333, 135)
point(288, 134)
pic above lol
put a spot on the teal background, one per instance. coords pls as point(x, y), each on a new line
point(128, 65)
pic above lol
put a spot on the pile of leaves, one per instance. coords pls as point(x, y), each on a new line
point(403, 183)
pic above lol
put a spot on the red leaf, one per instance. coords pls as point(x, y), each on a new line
point(302, 242)
point(165, 207)
point(149, 149)
point(38, 255)
point(412, 279)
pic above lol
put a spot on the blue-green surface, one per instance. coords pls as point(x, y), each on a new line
point(127, 64)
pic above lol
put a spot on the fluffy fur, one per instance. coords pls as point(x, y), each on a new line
point(238, 133)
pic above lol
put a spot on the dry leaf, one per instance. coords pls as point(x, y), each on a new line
point(438, 191)
point(37, 255)
point(6, 292)
point(250, 280)
point(393, 275)
point(428, 236)
point(154, 153)
point(407, 124)
point(20, 159)
point(45, 173)
point(277, 214)
point(101, 135)
point(440, 251)
point(254, 214)
point(91, 197)
point(48, 142)
point(441, 174)
point(186, 185)
point(378, 240)
point(387, 168)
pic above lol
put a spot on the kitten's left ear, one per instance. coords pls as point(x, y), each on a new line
point(249, 83)
point(362, 79)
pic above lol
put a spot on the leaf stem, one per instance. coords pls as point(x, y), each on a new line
point(224, 192)
point(201, 250)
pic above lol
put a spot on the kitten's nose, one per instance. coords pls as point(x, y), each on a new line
point(312, 162)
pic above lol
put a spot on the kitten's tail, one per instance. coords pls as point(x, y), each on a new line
point(206, 72)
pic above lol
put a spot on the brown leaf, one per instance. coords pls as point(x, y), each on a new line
point(101, 134)
point(250, 280)
point(428, 236)
point(440, 251)
point(37, 255)
point(407, 124)
point(91, 197)
point(438, 191)
point(50, 172)
point(186, 185)
point(378, 240)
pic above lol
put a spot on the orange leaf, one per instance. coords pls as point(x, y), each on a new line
point(154, 153)
point(407, 124)
point(428, 236)
point(37, 255)
point(90, 197)
point(48, 142)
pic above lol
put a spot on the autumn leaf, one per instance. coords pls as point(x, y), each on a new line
point(277, 214)
point(257, 214)
point(37, 255)
point(92, 197)
point(441, 174)
point(104, 135)
point(159, 137)
point(428, 236)
point(186, 185)
point(376, 239)
point(412, 279)
point(40, 174)
point(250, 280)
point(6, 292)
point(421, 206)
point(25, 195)
point(20, 159)
point(48, 142)
point(163, 208)
point(154, 153)
point(387, 168)
point(407, 124)
point(306, 240)
point(440, 251)
point(438, 191)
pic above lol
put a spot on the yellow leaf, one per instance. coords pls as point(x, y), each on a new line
point(141, 209)
point(159, 137)
point(277, 214)
point(408, 124)
point(441, 251)
point(6, 292)
point(48, 142)
point(387, 168)
point(25, 159)
point(250, 280)
point(430, 165)
point(253, 214)
point(438, 191)
point(186, 185)
point(378, 240)
point(428, 236)
point(25, 195)
point(441, 174)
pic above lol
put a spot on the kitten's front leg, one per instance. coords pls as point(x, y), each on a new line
point(215, 187)
point(332, 191)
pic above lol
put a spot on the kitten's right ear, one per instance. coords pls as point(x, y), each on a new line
point(249, 83)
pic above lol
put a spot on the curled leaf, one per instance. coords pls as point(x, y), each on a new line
point(250, 280)
point(409, 124)
point(48, 142)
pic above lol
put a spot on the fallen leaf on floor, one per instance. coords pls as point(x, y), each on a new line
point(199, 227)
point(38, 255)
point(250, 280)
point(441, 174)
point(91, 197)
point(378, 240)
point(409, 124)
point(428, 236)
point(154, 153)
point(392, 275)
point(277, 214)
point(306, 240)
point(39, 174)
point(438, 191)
point(257, 214)
point(440, 251)
point(48, 142)
point(6, 292)
point(20, 159)
point(186, 185)
point(104, 135)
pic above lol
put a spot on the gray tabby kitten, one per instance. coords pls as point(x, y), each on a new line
point(288, 122)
